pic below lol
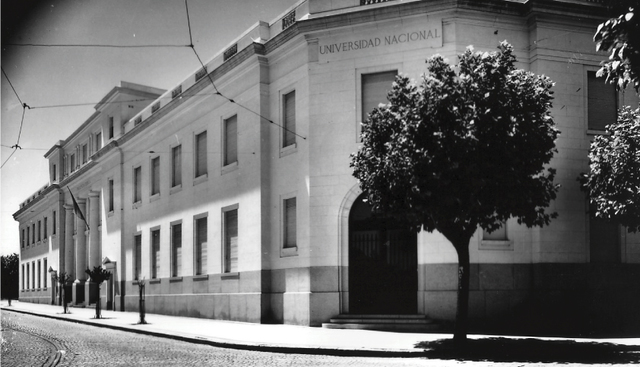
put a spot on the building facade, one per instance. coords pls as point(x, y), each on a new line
point(231, 196)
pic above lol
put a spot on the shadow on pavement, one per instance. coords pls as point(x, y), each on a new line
point(533, 350)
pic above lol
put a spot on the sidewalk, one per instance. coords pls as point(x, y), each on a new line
point(261, 337)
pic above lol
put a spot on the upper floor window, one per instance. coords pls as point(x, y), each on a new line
point(85, 153)
point(137, 184)
point(201, 154)
point(23, 239)
point(602, 102)
point(289, 117)
point(45, 227)
point(98, 141)
point(290, 223)
point(375, 87)
point(72, 162)
point(54, 173)
point(53, 222)
point(176, 166)
point(28, 235)
point(155, 176)
point(110, 127)
point(111, 193)
point(230, 140)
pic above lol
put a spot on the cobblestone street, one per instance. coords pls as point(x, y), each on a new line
point(36, 341)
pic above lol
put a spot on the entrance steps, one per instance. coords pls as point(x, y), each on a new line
point(406, 323)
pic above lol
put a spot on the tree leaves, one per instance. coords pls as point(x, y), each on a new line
point(463, 148)
point(613, 181)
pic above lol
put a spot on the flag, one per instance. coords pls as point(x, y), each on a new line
point(76, 209)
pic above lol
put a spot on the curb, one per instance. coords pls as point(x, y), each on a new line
point(238, 345)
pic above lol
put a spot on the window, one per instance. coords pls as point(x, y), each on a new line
point(22, 238)
point(27, 276)
point(176, 250)
point(602, 102)
point(499, 234)
point(289, 117)
point(84, 153)
point(54, 173)
point(111, 192)
point(33, 233)
point(137, 184)
point(45, 227)
point(137, 269)
point(231, 241)
point(39, 231)
point(201, 154)
point(72, 162)
point(33, 275)
point(290, 239)
point(604, 239)
point(39, 273)
point(45, 272)
point(155, 253)
point(28, 235)
point(231, 140)
point(98, 141)
point(176, 166)
point(23, 277)
point(375, 87)
point(201, 246)
point(155, 176)
point(111, 127)
point(53, 222)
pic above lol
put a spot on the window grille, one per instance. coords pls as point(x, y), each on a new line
point(176, 92)
point(289, 20)
point(155, 107)
point(201, 74)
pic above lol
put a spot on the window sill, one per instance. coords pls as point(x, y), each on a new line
point(289, 251)
point(175, 189)
point(136, 205)
point(230, 276)
point(285, 151)
point(110, 214)
point(201, 277)
point(229, 168)
point(154, 197)
point(505, 245)
point(155, 281)
point(175, 279)
point(200, 179)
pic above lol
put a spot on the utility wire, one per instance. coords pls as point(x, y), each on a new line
point(214, 84)
point(11, 84)
point(90, 45)
point(7, 160)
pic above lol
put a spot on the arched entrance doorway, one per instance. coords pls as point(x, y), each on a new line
point(383, 263)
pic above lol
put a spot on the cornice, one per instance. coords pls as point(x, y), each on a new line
point(36, 200)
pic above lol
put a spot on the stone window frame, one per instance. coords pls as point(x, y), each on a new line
point(359, 72)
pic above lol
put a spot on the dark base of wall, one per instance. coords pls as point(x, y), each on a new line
point(588, 300)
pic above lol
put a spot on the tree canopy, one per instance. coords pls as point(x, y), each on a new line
point(10, 276)
point(613, 181)
point(620, 37)
point(464, 148)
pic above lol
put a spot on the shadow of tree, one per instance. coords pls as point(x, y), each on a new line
point(533, 350)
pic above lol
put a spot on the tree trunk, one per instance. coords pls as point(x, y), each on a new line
point(462, 310)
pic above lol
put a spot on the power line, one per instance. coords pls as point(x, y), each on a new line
point(11, 84)
point(90, 45)
point(7, 160)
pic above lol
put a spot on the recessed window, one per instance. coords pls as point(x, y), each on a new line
point(45, 272)
point(155, 176)
point(98, 141)
point(111, 127)
point(230, 223)
point(155, 253)
point(176, 250)
point(85, 153)
point(289, 117)
point(39, 230)
point(72, 162)
point(45, 227)
point(201, 154)
point(53, 222)
point(602, 102)
point(39, 273)
point(290, 223)
point(375, 87)
point(22, 238)
point(200, 247)
point(230, 140)
point(137, 269)
point(33, 233)
point(54, 173)
point(111, 193)
point(499, 234)
point(176, 166)
point(137, 184)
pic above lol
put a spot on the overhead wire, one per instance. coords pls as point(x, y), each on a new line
point(90, 45)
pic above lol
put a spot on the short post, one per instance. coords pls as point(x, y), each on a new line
point(141, 284)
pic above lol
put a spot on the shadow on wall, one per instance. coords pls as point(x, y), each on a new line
point(533, 350)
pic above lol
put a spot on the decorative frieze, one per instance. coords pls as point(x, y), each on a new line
point(289, 19)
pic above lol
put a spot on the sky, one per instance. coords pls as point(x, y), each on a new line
point(52, 76)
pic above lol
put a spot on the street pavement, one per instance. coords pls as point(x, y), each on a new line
point(276, 339)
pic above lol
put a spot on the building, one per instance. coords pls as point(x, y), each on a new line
point(241, 205)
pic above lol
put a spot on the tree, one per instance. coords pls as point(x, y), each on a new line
point(63, 279)
point(613, 181)
point(98, 275)
point(461, 150)
point(620, 37)
point(10, 276)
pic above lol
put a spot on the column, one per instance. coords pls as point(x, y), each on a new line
point(69, 246)
point(94, 243)
point(69, 250)
point(81, 255)
point(94, 232)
